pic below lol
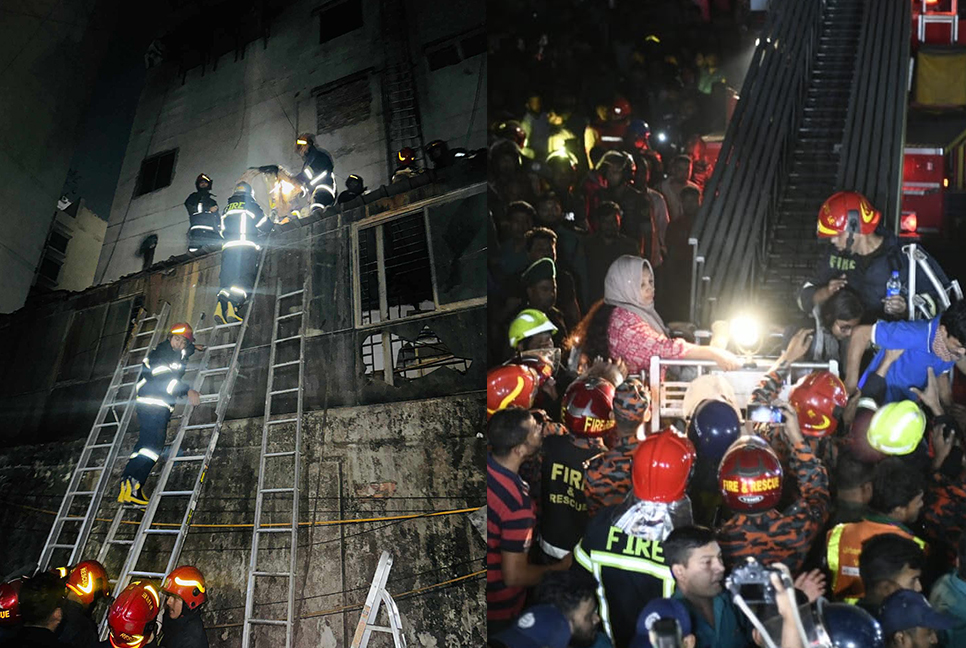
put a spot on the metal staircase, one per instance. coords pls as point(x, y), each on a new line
point(75, 517)
point(812, 177)
point(281, 447)
point(399, 86)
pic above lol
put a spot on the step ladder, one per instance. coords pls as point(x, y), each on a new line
point(285, 379)
point(181, 499)
point(370, 611)
point(399, 86)
point(75, 517)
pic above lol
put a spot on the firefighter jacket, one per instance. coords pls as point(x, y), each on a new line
point(199, 204)
point(187, 631)
point(844, 545)
point(784, 536)
point(868, 276)
point(317, 172)
point(564, 503)
point(631, 572)
point(159, 383)
point(244, 223)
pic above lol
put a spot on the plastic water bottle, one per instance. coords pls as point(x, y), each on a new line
point(894, 285)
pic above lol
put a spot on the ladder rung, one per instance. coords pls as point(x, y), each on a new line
point(286, 364)
point(127, 384)
point(286, 339)
point(208, 372)
point(381, 629)
point(76, 493)
point(107, 424)
point(285, 391)
point(146, 574)
point(151, 332)
point(199, 426)
point(277, 490)
point(209, 398)
point(294, 292)
point(280, 454)
point(268, 622)
point(217, 327)
point(274, 530)
point(90, 469)
point(163, 531)
point(217, 347)
point(288, 316)
point(139, 349)
point(288, 420)
point(152, 318)
point(283, 574)
point(61, 546)
point(133, 366)
point(189, 458)
point(121, 542)
point(180, 493)
point(72, 518)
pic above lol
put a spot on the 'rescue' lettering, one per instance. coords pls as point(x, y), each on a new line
point(751, 486)
point(636, 547)
point(4, 614)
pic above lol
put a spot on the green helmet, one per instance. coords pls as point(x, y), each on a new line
point(897, 428)
point(528, 323)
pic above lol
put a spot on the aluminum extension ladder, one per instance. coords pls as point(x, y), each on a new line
point(370, 611)
point(160, 493)
point(102, 447)
point(282, 451)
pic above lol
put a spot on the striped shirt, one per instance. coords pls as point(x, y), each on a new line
point(509, 527)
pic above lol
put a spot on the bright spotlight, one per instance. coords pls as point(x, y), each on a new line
point(746, 333)
point(661, 136)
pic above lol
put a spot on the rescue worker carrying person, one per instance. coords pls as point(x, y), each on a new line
point(158, 388)
point(317, 172)
point(202, 215)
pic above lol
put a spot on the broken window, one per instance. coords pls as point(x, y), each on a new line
point(454, 50)
point(411, 359)
point(156, 172)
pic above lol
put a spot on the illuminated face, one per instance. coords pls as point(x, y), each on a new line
point(583, 623)
point(173, 606)
point(841, 241)
point(543, 248)
point(703, 574)
point(953, 346)
point(539, 341)
point(647, 287)
point(842, 329)
point(549, 213)
point(179, 342)
point(542, 295)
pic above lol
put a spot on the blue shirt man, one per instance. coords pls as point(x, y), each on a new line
point(918, 339)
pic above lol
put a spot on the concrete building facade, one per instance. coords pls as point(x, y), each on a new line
point(326, 69)
point(393, 452)
point(73, 247)
point(50, 52)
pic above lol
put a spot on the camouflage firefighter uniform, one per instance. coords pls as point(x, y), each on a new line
point(782, 536)
point(944, 513)
point(607, 480)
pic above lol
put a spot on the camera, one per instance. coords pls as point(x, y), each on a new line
point(752, 582)
point(667, 634)
point(765, 414)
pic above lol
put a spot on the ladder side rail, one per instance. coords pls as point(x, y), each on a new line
point(293, 556)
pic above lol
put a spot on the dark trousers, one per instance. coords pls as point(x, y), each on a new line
point(239, 265)
point(154, 425)
point(322, 197)
point(199, 234)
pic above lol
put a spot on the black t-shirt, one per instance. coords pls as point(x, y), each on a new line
point(564, 506)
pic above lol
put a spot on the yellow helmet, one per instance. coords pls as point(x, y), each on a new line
point(528, 323)
point(897, 428)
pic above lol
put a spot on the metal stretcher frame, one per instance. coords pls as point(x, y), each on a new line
point(667, 397)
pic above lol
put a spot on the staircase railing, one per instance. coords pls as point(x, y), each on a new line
point(875, 131)
point(740, 200)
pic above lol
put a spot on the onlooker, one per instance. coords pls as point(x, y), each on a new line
point(888, 562)
point(678, 178)
point(41, 599)
point(853, 481)
point(513, 435)
point(666, 609)
point(696, 563)
point(949, 596)
point(908, 621)
point(604, 246)
point(540, 282)
point(573, 592)
point(541, 244)
point(512, 228)
point(541, 625)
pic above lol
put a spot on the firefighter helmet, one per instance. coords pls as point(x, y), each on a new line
point(638, 135)
point(847, 211)
point(849, 625)
point(88, 580)
point(859, 432)
point(244, 188)
point(818, 399)
point(896, 428)
point(661, 466)
point(10, 603)
point(202, 178)
point(562, 161)
point(511, 130)
point(406, 157)
point(620, 109)
point(541, 364)
point(184, 329)
point(305, 139)
point(526, 324)
point(623, 161)
point(131, 617)
point(713, 428)
point(188, 584)
point(355, 183)
point(750, 476)
point(588, 407)
point(510, 385)
point(437, 151)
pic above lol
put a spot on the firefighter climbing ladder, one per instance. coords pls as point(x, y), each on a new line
point(221, 398)
point(281, 442)
point(370, 611)
point(100, 454)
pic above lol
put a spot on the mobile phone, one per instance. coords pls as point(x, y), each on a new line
point(765, 414)
point(667, 633)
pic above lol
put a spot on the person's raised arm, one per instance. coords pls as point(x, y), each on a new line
point(859, 342)
point(518, 572)
point(725, 359)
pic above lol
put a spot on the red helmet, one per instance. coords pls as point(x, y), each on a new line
point(540, 364)
point(183, 328)
point(510, 385)
point(188, 584)
point(88, 580)
point(620, 109)
point(818, 399)
point(588, 407)
point(750, 476)
point(847, 208)
point(858, 433)
point(406, 157)
point(661, 466)
point(132, 614)
point(10, 603)
point(513, 131)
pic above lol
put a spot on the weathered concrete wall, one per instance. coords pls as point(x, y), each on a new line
point(359, 463)
point(246, 112)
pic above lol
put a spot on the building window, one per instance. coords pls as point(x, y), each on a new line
point(49, 269)
point(156, 172)
point(343, 102)
point(58, 242)
point(339, 18)
point(453, 51)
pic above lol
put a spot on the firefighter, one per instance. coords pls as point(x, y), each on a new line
point(863, 255)
point(132, 618)
point(406, 166)
point(243, 226)
point(608, 132)
point(185, 594)
point(355, 186)
point(202, 215)
point(10, 617)
point(158, 388)
point(87, 583)
point(439, 154)
point(317, 173)
point(622, 544)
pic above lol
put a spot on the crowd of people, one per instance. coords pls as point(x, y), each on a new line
point(846, 487)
